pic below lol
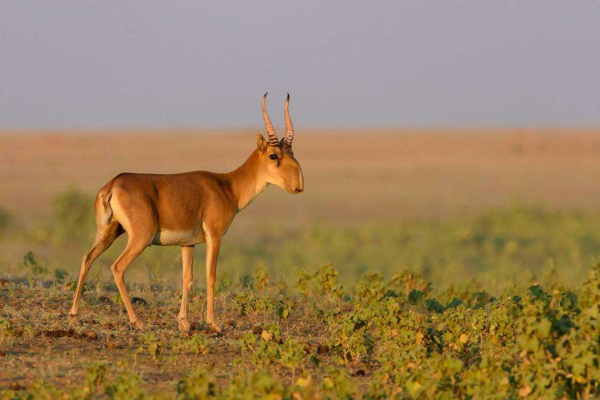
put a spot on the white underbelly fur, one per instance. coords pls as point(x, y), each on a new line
point(177, 238)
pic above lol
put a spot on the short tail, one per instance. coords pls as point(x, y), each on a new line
point(106, 212)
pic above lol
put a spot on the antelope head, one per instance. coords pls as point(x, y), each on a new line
point(277, 164)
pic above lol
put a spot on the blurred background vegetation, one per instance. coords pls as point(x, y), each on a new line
point(436, 202)
point(492, 249)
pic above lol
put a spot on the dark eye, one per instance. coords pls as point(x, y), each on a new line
point(272, 156)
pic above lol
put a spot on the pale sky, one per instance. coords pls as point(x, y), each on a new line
point(392, 63)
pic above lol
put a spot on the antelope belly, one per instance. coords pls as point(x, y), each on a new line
point(177, 238)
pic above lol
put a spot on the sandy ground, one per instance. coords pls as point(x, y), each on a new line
point(350, 175)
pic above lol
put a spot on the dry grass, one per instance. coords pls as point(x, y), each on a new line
point(351, 176)
point(59, 353)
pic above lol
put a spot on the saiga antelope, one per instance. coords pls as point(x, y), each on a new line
point(185, 210)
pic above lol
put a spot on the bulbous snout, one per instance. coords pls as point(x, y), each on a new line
point(300, 184)
point(295, 185)
point(289, 176)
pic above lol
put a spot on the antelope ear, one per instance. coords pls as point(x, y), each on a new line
point(261, 142)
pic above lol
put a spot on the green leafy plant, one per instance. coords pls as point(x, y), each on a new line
point(292, 354)
point(95, 376)
point(196, 344)
point(31, 264)
point(150, 343)
point(6, 220)
point(125, 386)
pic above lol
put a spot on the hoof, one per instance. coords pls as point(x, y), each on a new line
point(72, 318)
point(184, 325)
point(215, 327)
point(137, 324)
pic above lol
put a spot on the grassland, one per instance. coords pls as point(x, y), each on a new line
point(432, 265)
point(384, 338)
point(351, 176)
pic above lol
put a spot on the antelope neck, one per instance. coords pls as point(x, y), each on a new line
point(245, 181)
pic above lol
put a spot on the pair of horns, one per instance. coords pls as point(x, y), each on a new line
point(289, 128)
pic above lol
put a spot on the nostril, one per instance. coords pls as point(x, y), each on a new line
point(298, 190)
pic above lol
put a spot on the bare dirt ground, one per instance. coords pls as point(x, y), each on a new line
point(53, 350)
point(351, 176)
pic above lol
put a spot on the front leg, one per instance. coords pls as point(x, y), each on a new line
point(213, 244)
point(187, 259)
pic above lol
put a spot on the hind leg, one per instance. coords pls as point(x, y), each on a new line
point(105, 236)
point(135, 245)
point(135, 210)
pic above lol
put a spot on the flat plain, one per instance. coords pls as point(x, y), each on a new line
point(418, 264)
point(351, 175)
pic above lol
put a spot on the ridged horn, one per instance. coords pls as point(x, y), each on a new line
point(289, 127)
point(268, 125)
